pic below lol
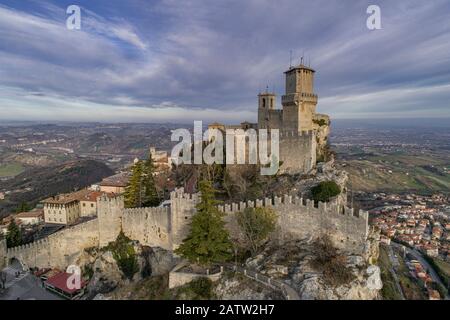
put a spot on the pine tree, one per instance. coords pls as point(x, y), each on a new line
point(133, 191)
point(208, 240)
point(151, 197)
point(14, 235)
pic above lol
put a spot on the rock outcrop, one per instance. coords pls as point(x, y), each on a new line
point(106, 275)
point(242, 288)
point(292, 264)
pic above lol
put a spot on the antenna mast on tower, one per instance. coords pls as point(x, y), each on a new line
point(290, 58)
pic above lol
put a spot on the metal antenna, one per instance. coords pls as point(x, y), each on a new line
point(290, 58)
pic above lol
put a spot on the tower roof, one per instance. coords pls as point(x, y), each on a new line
point(299, 67)
point(266, 94)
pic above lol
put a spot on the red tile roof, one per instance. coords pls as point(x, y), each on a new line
point(30, 214)
point(60, 281)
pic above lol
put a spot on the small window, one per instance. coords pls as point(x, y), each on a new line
point(84, 204)
point(92, 205)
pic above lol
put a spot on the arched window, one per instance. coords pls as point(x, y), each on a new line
point(263, 103)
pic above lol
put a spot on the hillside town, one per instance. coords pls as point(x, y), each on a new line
point(68, 209)
point(422, 222)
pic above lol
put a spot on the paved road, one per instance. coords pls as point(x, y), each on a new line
point(418, 256)
point(395, 264)
point(24, 287)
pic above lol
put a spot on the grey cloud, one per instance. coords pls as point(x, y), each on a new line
point(217, 55)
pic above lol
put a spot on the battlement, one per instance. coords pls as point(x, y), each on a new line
point(108, 198)
point(36, 245)
point(180, 194)
point(306, 205)
point(145, 211)
point(284, 134)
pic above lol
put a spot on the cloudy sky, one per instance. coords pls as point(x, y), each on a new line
point(183, 60)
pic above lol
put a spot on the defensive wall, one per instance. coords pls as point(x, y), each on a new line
point(166, 227)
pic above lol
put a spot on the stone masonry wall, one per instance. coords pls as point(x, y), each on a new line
point(3, 251)
point(299, 219)
point(182, 209)
point(59, 249)
point(150, 226)
point(167, 227)
point(297, 151)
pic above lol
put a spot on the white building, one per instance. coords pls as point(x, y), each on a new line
point(30, 218)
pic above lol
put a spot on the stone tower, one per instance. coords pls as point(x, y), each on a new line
point(299, 102)
point(266, 107)
point(109, 213)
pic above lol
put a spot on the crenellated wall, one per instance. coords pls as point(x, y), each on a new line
point(59, 249)
point(182, 209)
point(150, 226)
point(297, 151)
point(109, 213)
point(299, 218)
point(166, 227)
point(3, 250)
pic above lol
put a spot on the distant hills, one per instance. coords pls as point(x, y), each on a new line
point(36, 184)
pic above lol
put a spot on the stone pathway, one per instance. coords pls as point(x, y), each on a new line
point(288, 292)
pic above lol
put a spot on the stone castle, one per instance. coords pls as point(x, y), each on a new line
point(303, 132)
point(166, 227)
point(303, 137)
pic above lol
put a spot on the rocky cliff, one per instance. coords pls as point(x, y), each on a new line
point(352, 278)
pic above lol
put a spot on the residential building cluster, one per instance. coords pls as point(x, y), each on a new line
point(418, 272)
point(423, 222)
point(25, 220)
point(66, 209)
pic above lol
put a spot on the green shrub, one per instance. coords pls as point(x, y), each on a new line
point(320, 122)
point(198, 289)
point(88, 272)
point(325, 190)
point(124, 254)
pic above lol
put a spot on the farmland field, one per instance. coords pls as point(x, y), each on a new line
point(11, 170)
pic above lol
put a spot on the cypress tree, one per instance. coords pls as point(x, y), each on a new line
point(133, 191)
point(208, 240)
point(14, 235)
point(151, 197)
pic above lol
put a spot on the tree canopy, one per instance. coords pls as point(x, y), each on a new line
point(141, 189)
point(325, 190)
point(151, 197)
point(256, 225)
point(208, 240)
point(14, 235)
